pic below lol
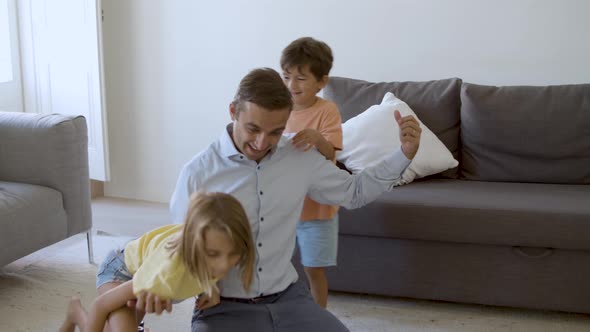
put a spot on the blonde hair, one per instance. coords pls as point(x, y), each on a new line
point(219, 211)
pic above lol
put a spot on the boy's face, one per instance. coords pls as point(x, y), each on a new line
point(303, 86)
point(257, 130)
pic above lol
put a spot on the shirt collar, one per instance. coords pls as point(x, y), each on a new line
point(226, 143)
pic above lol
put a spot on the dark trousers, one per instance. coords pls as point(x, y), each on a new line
point(293, 311)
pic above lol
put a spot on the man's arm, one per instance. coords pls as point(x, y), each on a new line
point(330, 185)
point(409, 134)
point(150, 303)
point(333, 186)
point(181, 196)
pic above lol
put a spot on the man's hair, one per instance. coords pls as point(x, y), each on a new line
point(265, 88)
point(307, 51)
point(222, 212)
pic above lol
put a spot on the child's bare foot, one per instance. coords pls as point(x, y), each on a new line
point(76, 315)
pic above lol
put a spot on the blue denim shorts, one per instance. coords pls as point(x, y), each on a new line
point(318, 242)
point(113, 269)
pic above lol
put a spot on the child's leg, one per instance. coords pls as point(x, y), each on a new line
point(111, 274)
point(318, 245)
point(318, 284)
point(76, 316)
point(122, 319)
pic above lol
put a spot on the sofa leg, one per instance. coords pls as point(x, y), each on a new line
point(90, 247)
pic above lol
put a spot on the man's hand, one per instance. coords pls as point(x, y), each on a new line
point(409, 134)
point(150, 303)
point(206, 302)
point(306, 139)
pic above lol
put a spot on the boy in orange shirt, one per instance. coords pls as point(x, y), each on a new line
point(306, 63)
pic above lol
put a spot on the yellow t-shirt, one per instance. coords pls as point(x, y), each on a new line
point(155, 271)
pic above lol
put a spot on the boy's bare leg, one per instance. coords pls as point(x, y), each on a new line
point(76, 316)
point(318, 283)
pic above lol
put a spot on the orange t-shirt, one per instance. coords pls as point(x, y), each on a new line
point(324, 117)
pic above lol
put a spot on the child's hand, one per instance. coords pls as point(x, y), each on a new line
point(206, 302)
point(409, 134)
point(306, 139)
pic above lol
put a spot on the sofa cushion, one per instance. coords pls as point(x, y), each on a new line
point(495, 213)
point(526, 133)
point(436, 103)
point(31, 217)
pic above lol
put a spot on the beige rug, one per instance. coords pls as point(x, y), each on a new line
point(36, 289)
point(34, 292)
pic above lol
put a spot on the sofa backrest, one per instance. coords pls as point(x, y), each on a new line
point(526, 133)
point(436, 103)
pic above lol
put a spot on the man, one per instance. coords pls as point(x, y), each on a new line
point(270, 177)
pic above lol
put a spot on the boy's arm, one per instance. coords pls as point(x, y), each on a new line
point(307, 138)
point(327, 138)
point(106, 303)
point(326, 148)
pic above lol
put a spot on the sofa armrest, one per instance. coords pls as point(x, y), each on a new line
point(49, 150)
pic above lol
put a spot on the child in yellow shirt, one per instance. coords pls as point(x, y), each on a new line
point(316, 122)
point(174, 262)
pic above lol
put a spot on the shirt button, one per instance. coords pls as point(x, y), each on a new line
point(261, 218)
point(259, 269)
point(261, 193)
point(260, 244)
point(241, 157)
point(258, 168)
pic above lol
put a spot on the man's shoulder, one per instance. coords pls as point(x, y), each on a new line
point(204, 157)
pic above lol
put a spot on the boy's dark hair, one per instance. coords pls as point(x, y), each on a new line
point(307, 51)
point(265, 88)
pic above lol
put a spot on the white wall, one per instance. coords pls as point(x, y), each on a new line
point(172, 67)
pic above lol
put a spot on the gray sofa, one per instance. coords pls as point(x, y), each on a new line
point(44, 182)
point(510, 226)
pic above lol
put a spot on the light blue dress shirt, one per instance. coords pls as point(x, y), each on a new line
point(272, 193)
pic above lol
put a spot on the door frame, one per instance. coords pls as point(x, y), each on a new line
point(11, 92)
point(37, 91)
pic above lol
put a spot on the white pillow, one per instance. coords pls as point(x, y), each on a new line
point(374, 134)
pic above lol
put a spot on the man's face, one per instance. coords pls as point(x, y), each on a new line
point(257, 130)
